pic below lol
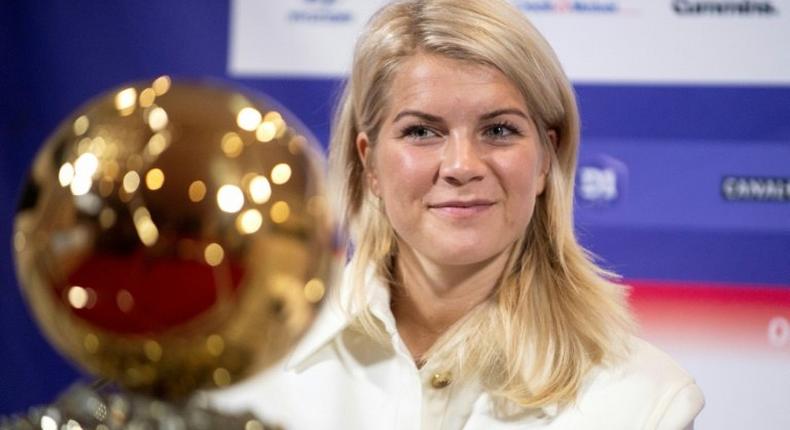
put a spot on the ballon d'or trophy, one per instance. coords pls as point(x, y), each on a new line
point(171, 238)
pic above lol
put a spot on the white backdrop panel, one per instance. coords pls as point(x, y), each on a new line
point(656, 41)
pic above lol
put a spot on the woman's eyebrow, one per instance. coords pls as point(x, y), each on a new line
point(506, 111)
point(422, 115)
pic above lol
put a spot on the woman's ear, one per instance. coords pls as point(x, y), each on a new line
point(365, 157)
point(545, 162)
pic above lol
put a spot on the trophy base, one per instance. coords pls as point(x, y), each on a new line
point(97, 407)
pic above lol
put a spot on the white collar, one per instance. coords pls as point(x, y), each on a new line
point(338, 312)
point(334, 317)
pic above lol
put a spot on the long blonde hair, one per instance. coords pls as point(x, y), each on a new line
point(555, 313)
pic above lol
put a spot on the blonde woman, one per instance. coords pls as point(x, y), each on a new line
point(467, 302)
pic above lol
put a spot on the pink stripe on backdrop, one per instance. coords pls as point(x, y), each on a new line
point(713, 315)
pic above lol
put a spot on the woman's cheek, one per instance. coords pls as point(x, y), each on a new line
point(407, 170)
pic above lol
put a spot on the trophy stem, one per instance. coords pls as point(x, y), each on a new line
point(101, 405)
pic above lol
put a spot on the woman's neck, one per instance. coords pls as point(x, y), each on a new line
point(429, 298)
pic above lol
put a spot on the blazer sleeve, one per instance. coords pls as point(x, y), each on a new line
point(684, 406)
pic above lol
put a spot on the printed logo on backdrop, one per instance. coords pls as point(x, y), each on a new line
point(601, 181)
point(304, 38)
point(755, 189)
point(570, 7)
point(724, 8)
point(311, 11)
point(779, 332)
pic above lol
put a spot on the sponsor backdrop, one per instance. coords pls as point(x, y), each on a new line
point(684, 174)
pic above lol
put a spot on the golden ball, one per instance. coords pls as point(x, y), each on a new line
point(175, 236)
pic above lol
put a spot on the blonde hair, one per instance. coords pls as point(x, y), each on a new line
point(554, 314)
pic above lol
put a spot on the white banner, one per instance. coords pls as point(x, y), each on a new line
point(312, 38)
point(628, 41)
point(674, 42)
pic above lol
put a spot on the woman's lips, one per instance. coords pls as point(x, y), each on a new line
point(461, 209)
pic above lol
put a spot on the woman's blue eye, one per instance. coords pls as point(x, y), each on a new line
point(501, 130)
point(418, 132)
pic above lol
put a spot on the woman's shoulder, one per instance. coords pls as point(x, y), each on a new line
point(647, 386)
point(646, 361)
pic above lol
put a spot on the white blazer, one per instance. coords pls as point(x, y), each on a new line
point(337, 378)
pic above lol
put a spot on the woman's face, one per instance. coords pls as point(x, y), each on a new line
point(458, 162)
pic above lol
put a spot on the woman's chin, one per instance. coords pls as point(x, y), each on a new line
point(461, 256)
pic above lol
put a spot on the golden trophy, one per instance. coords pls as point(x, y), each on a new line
point(172, 237)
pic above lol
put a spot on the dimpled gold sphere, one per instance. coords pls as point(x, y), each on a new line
point(175, 236)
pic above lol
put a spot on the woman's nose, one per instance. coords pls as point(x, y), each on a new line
point(461, 162)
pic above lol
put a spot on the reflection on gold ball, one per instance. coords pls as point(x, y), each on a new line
point(153, 249)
